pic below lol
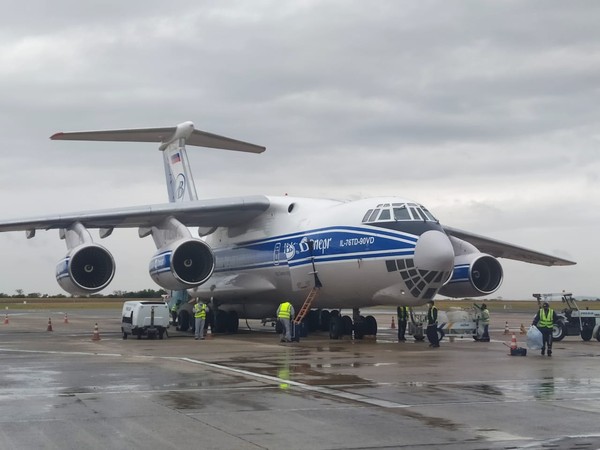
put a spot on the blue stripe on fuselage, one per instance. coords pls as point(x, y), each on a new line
point(329, 244)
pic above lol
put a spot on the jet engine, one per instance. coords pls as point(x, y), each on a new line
point(86, 269)
point(474, 275)
point(182, 264)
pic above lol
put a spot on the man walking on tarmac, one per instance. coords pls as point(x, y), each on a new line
point(285, 313)
point(544, 320)
point(484, 316)
point(432, 325)
point(200, 316)
point(402, 313)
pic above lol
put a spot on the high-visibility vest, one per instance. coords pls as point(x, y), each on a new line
point(485, 317)
point(402, 312)
point(200, 311)
point(432, 316)
point(285, 311)
point(174, 308)
point(546, 318)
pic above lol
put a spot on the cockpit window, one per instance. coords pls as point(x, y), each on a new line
point(398, 212)
point(374, 215)
point(385, 214)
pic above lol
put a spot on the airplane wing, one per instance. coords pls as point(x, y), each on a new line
point(198, 213)
point(501, 249)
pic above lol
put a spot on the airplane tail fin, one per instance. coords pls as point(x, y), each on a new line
point(173, 141)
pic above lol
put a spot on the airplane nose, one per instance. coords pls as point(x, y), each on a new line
point(434, 252)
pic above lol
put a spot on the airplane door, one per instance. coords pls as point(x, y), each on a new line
point(299, 257)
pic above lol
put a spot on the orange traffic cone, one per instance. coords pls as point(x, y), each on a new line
point(393, 323)
point(6, 319)
point(66, 318)
point(523, 329)
point(513, 342)
point(506, 330)
point(49, 324)
point(96, 334)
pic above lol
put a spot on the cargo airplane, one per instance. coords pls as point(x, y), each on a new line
point(255, 251)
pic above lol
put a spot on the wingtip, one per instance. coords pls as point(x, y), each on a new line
point(56, 136)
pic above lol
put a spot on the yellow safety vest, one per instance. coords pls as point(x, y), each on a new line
point(546, 319)
point(485, 317)
point(200, 311)
point(285, 311)
point(402, 312)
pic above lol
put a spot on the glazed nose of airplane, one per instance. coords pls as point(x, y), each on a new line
point(434, 252)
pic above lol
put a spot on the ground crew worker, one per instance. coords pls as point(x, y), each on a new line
point(544, 320)
point(402, 313)
point(432, 325)
point(174, 313)
point(485, 321)
point(285, 313)
point(200, 316)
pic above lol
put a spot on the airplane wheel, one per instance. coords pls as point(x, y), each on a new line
point(359, 329)
point(124, 335)
point(184, 320)
point(233, 322)
point(371, 325)
point(221, 319)
point(347, 325)
point(325, 319)
point(335, 327)
point(312, 320)
point(598, 335)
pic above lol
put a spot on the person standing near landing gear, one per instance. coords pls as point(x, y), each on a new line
point(544, 320)
point(432, 325)
point(285, 313)
point(200, 316)
point(402, 313)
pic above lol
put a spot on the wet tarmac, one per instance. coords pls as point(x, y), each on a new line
point(61, 390)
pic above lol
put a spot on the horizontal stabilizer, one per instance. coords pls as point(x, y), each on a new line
point(164, 135)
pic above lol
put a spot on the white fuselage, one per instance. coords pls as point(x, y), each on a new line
point(359, 262)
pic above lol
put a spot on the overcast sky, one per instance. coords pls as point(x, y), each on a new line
point(487, 113)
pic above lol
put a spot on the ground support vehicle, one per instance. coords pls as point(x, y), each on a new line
point(145, 318)
point(573, 321)
point(455, 323)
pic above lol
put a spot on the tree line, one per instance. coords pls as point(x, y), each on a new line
point(145, 293)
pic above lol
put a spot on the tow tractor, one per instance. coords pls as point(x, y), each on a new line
point(573, 321)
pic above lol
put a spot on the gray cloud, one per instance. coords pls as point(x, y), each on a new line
point(485, 112)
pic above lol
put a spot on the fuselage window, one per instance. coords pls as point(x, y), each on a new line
point(366, 218)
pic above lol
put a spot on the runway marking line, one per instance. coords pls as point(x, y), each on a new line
point(319, 389)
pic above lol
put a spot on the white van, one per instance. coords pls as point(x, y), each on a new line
point(145, 318)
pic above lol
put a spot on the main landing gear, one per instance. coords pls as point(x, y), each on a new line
point(358, 325)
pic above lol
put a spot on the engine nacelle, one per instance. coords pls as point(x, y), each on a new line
point(184, 264)
point(86, 269)
point(474, 275)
